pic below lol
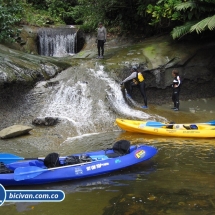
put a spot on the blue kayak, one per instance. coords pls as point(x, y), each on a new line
point(29, 172)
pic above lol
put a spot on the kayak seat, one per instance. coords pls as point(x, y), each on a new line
point(52, 160)
point(191, 127)
point(187, 127)
point(195, 127)
point(170, 126)
point(120, 148)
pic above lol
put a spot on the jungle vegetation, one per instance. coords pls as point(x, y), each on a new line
point(148, 17)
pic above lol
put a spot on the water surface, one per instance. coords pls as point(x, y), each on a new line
point(178, 180)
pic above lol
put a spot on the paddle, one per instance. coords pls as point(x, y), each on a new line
point(10, 158)
point(154, 124)
point(159, 124)
point(7, 158)
point(23, 173)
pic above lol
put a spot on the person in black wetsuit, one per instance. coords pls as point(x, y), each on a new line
point(176, 85)
point(135, 79)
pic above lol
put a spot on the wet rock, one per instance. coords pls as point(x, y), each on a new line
point(51, 83)
point(14, 131)
point(47, 121)
point(17, 67)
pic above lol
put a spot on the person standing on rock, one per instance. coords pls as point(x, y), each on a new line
point(101, 39)
point(176, 85)
point(135, 79)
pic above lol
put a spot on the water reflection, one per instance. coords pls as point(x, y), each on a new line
point(178, 180)
point(151, 139)
point(111, 183)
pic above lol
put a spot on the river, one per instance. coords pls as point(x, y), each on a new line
point(178, 180)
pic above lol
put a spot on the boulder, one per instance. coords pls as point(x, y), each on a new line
point(14, 131)
point(47, 121)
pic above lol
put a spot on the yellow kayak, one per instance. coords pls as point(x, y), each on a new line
point(199, 130)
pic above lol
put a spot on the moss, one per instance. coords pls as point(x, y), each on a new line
point(81, 53)
point(149, 52)
point(62, 64)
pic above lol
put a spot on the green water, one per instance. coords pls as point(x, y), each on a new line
point(178, 180)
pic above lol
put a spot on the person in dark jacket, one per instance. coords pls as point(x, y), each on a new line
point(135, 79)
point(176, 85)
point(101, 39)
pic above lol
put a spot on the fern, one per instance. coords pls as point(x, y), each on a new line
point(185, 6)
point(211, 23)
point(207, 23)
point(195, 9)
point(182, 30)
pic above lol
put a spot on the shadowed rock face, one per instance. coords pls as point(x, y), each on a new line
point(20, 68)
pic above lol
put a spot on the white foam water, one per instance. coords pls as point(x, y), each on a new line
point(90, 105)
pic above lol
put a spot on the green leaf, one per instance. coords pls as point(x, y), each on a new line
point(207, 23)
point(185, 5)
point(211, 23)
point(182, 30)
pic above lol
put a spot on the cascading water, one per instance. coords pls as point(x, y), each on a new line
point(57, 42)
point(89, 100)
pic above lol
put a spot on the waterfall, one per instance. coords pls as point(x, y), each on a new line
point(88, 101)
point(57, 42)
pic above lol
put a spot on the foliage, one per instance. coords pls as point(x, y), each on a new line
point(10, 15)
point(182, 30)
point(208, 22)
point(38, 17)
point(120, 16)
point(147, 17)
point(56, 10)
point(163, 12)
point(199, 12)
point(195, 15)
